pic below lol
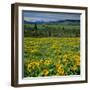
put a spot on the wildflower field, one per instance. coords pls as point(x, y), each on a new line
point(51, 56)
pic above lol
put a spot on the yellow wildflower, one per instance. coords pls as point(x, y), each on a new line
point(60, 71)
point(45, 72)
point(47, 62)
point(58, 66)
point(77, 60)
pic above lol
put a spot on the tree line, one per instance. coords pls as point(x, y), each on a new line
point(45, 30)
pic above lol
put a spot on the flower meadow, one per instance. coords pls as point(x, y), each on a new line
point(51, 56)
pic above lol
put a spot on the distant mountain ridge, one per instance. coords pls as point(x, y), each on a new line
point(47, 22)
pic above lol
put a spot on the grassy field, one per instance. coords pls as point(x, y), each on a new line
point(52, 30)
point(51, 56)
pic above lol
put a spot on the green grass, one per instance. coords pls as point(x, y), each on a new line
point(55, 30)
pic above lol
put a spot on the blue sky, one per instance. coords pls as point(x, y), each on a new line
point(47, 16)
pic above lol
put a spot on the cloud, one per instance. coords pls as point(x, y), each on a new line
point(33, 19)
point(45, 16)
